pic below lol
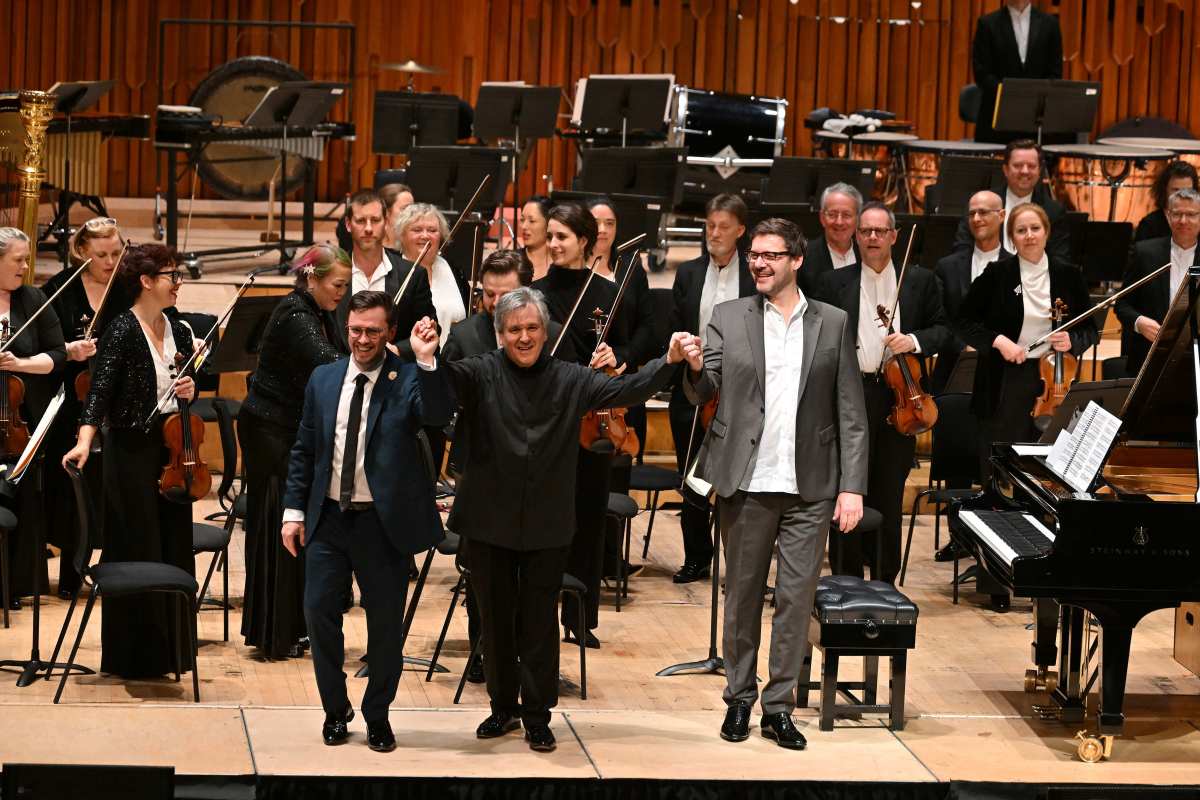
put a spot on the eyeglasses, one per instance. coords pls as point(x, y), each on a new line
point(365, 333)
point(767, 256)
point(1181, 216)
point(867, 233)
point(176, 276)
point(982, 212)
point(838, 216)
point(99, 222)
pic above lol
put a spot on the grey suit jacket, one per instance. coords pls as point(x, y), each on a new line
point(831, 416)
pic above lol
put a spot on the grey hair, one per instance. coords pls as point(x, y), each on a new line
point(10, 235)
point(1185, 195)
point(875, 205)
point(415, 211)
point(843, 189)
point(518, 299)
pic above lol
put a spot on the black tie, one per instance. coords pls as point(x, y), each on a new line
point(350, 453)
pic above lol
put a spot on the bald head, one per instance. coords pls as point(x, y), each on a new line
point(985, 216)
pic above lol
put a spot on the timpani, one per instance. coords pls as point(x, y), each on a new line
point(881, 147)
point(1108, 182)
point(922, 159)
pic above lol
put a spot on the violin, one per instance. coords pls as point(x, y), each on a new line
point(14, 432)
point(606, 428)
point(1058, 370)
point(185, 477)
point(913, 410)
point(83, 381)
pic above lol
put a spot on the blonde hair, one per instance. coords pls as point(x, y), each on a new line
point(1020, 209)
point(318, 261)
point(95, 228)
point(10, 235)
point(410, 214)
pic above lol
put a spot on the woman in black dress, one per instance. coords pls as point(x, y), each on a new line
point(572, 233)
point(535, 246)
point(299, 337)
point(135, 366)
point(31, 357)
point(100, 240)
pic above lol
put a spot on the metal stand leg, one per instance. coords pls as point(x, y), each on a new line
point(714, 663)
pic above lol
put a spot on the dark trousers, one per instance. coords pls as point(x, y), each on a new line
point(517, 592)
point(586, 555)
point(890, 461)
point(693, 518)
point(346, 543)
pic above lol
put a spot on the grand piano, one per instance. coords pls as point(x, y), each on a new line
point(1108, 556)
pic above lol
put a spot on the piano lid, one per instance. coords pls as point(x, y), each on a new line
point(1162, 403)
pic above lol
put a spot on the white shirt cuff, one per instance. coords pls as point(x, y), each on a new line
point(293, 515)
point(428, 367)
point(916, 343)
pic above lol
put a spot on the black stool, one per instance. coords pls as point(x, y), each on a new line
point(652, 479)
point(622, 508)
point(854, 617)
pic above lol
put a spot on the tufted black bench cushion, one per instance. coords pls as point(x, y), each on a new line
point(875, 607)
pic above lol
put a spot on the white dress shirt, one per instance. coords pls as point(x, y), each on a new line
point(876, 289)
point(164, 368)
point(1181, 260)
point(447, 300)
point(1020, 23)
point(980, 259)
point(840, 260)
point(1035, 298)
point(783, 347)
point(720, 285)
point(360, 282)
point(1011, 201)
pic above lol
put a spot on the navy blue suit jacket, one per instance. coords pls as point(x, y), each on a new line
point(404, 399)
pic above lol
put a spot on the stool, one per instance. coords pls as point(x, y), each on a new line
point(853, 617)
point(652, 479)
point(623, 509)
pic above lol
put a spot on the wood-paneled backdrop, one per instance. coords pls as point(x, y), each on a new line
point(909, 57)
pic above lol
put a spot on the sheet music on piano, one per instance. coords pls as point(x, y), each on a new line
point(1078, 456)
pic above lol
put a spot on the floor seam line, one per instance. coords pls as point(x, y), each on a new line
point(582, 746)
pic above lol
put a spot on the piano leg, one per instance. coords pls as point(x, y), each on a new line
point(1068, 695)
point(1044, 647)
point(1114, 666)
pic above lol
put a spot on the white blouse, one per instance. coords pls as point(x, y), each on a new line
point(1035, 298)
point(164, 366)
point(446, 297)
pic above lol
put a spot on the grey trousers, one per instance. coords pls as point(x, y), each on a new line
point(751, 524)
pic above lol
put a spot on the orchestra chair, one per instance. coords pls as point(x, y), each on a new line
point(121, 578)
point(1114, 368)
point(8, 523)
point(214, 539)
point(954, 461)
point(652, 480)
point(622, 509)
point(450, 546)
point(970, 98)
point(853, 617)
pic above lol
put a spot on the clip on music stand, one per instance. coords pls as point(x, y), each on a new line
point(405, 120)
point(448, 176)
point(1045, 106)
point(626, 103)
point(71, 98)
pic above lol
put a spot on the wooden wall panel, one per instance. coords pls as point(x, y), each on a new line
point(845, 54)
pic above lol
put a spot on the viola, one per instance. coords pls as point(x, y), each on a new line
point(605, 429)
point(913, 410)
point(185, 477)
point(14, 432)
point(1058, 371)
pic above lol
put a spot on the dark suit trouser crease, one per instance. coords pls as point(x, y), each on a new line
point(516, 591)
point(693, 517)
point(890, 461)
point(345, 543)
point(751, 525)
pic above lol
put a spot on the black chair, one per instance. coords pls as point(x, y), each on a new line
point(970, 98)
point(122, 578)
point(1114, 368)
point(622, 509)
point(5, 527)
point(214, 539)
point(652, 480)
point(954, 461)
point(450, 546)
point(223, 411)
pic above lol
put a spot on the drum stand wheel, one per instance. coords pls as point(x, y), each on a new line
point(1040, 678)
point(1093, 749)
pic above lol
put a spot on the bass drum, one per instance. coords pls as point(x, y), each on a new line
point(232, 91)
point(709, 122)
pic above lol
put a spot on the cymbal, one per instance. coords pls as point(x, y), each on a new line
point(412, 66)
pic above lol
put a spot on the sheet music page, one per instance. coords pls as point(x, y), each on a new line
point(1078, 456)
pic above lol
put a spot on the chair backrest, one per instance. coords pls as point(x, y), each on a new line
point(86, 519)
point(970, 98)
point(955, 455)
point(229, 451)
point(1113, 368)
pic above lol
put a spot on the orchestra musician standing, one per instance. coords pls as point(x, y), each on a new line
point(920, 327)
point(700, 285)
point(789, 436)
point(135, 367)
point(1015, 41)
point(420, 226)
point(836, 247)
point(396, 197)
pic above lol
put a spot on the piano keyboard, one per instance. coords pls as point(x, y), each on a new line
point(1009, 534)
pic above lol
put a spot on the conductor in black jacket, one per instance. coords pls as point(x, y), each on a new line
point(719, 275)
point(1015, 41)
point(1142, 311)
point(921, 328)
point(376, 268)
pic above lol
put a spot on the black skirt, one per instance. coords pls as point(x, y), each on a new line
point(273, 614)
point(138, 632)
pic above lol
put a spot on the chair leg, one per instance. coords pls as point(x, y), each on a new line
point(829, 671)
point(4, 574)
point(955, 578)
point(62, 634)
point(870, 679)
point(192, 628)
point(212, 567)
point(437, 649)
point(650, 525)
point(937, 510)
point(224, 591)
point(87, 613)
point(177, 649)
point(462, 681)
point(582, 637)
point(804, 684)
point(621, 576)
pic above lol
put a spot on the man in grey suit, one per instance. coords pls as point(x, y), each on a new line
point(788, 377)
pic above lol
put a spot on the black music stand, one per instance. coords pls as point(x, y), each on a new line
point(1045, 106)
point(651, 171)
point(959, 177)
point(71, 97)
point(1104, 251)
point(404, 120)
point(237, 349)
point(1109, 395)
point(636, 213)
point(625, 103)
point(449, 176)
point(516, 112)
point(795, 179)
point(712, 664)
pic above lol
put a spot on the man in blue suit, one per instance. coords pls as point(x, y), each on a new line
point(361, 500)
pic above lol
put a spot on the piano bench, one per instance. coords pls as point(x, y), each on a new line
point(854, 617)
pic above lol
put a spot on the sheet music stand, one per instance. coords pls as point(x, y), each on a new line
point(1045, 106)
point(1109, 395)
point(448, 176)
point(653, 171)
point(238, 346)
point(795, 179)
point(72, 97)
point(1104, 251)
point(636, 214)
point(625, 103)
point(959, 177)
point(404, 120)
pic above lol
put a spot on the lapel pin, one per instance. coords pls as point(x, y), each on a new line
point(1017, 289)
point(392, 375)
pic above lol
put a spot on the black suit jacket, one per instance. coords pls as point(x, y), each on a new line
point(476, 335)
point(1059, 245)
point(1151, 300)
point(817, 262)
point(416, 303)
point(993, 306)
point(954, 273)
point(921, 311)
point(994, 57)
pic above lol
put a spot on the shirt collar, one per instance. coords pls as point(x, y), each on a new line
point(353, 370)
point(385, 266)
point(733, 262)
point(1022, 14)
point(882, 274)
point(1177, 248)
point(992, 254)
point(1042, 264)
point(801, 307)
point(1017, 199)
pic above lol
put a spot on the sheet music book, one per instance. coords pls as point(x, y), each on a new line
point(1078, 456)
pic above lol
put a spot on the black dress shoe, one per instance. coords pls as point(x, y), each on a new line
point(949, 552)
point(780, 728)
point(475, 673)
point(296, 651)
point(304, 642)
point(380, 737)
point(589, 641)
point(736, 727)
point(496, 725)
point(540, 738)
point(690, 572)
point(335, 730)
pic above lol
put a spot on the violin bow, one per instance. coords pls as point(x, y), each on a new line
point(578, 299)
point(912, 237)
point(4, 347)
point(87, 334)
point(476, 253)
point(624, 281)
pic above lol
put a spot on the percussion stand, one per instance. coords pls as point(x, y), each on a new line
point(71, 99)
point(713, 664)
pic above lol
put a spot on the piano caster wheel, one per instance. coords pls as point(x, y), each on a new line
point(1001, 602)
point(1093, 749)
point(1040, 679)
point(1051, 681)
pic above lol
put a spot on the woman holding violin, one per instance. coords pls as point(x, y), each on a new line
point(26, 388)
point(99, 243)
point(535, 245)
point(1007, 308)
point(421, 227)
point(136, 388)
point(299, 337)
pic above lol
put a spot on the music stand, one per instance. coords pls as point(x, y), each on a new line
point(515, 111)
point(1045, 106)
point(636, 213)
point(1104, 250)
point(1109, 395)
point(653, 171)
point(795, 179)
point(712, 664)
point(237, 349)
point(960, 177)
point(404, 120)
point(448, 176)
point(625, 103)
point(71, 98)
